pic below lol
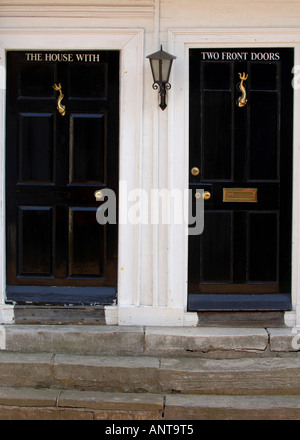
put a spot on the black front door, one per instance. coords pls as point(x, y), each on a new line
point(241, 113)
point(61, 146)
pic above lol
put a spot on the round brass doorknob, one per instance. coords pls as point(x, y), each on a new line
point(206, 195)
point(98, 194)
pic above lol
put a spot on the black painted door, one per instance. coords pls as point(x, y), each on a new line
point(57, 252)
point(242, 260)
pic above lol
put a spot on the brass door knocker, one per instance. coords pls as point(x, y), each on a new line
point(61, 108)
point(242, 101)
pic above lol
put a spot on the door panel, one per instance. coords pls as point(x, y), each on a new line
point(263, 247)
point(243, 257)
point(216, 252)
point(33, 222)
point(56, 250)
point(88, 81)
point(263, 136)
point(36, 164)
point(87, 148)
point(33, 82)
point(216, 127)
point(86, 237)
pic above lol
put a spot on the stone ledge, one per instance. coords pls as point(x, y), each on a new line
point(269, 375)
point(81, 339)
point(32, 397)
point(111, 401)
point(106, 373)
point(26, 413)
point(50, 404)
point(49, 397)
point(284, 340)
point(214, 407)
point(231, 376)
point(163, 340)
point(25, 369)
point(205, 342)
point(184, 375)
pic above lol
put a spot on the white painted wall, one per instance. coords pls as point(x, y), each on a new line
point(152, 279)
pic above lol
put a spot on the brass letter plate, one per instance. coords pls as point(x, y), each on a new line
point(240, 195)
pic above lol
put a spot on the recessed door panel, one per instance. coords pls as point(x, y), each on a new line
point(264, 136)
point(216, 128)
point(36, 163)
point(34, 83)
point(215, 251)
point(87, 244)
point(88, 80)
point(263, 243)
point(87, 148)
point(35, 241)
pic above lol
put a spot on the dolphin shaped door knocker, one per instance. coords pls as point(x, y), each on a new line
point(242, 101)
point(61, 108)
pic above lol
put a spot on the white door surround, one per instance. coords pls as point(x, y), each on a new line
point(179, 43)
point(130, 43)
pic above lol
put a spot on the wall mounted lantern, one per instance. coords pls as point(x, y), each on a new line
point(161, 63)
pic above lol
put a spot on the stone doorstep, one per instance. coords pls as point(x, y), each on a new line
point(33, 397)
point(51, 404)
point(30, 403)
point(215, 407)
point(163, 341)
point(152, 374)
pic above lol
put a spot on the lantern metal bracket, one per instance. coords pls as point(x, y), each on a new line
point(162, 90)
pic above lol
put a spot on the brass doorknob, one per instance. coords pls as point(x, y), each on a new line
point(206, 195)
point(98, 194)
point(195, 171)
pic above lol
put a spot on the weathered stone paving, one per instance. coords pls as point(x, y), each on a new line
point(70, 372)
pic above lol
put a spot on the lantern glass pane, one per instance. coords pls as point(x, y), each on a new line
point(166, 64)
point(155, 70)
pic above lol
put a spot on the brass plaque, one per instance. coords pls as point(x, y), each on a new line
point(240, 195)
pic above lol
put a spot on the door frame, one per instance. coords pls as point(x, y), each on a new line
point(130, 44)
point(179, 43)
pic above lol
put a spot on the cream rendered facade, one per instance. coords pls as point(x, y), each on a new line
point(152, 278)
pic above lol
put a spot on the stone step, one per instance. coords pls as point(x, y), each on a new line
point(51, 404)
point(148, 374)
point(215, 407)
point(205, 342)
